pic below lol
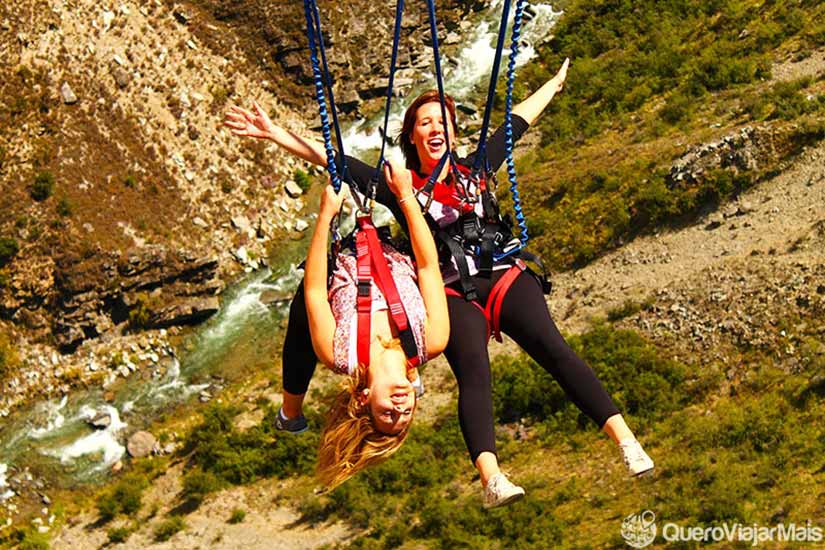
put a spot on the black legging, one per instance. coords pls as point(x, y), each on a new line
point(524, 318)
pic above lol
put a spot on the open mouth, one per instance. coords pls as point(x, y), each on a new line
point(435, 144)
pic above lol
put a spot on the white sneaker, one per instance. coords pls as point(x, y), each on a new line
point(500, 491)
point(635, 458)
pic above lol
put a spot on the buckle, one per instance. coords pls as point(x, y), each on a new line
point(364, 288)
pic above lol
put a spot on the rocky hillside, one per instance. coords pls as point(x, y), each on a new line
point(125, 204)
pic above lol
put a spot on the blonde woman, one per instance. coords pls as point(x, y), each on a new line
point(371, 416)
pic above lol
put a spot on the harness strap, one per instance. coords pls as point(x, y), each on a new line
point(453, 292)
point(372, 262)
point(364, 299)
point(497, 294)
point(467, 286)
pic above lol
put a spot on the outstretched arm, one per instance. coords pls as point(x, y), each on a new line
point(257, 124)
point(534, 105)
point(430, 283)
point(321, 320)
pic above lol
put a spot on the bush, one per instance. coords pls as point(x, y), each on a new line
point(130, 181)
point(236, 457)
point(197, 484)
point(64, 207)
point(119, 534)
point(238, 515)
point(43, 186)
point(302, 179)
point(168, 527)
point(124, 498)
point(8, 356)
point(8, 249)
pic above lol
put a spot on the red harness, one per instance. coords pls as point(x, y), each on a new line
point(373, 265)
point(492, 311)
point(446, 193)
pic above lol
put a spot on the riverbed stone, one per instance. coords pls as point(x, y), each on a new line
point(141, 444)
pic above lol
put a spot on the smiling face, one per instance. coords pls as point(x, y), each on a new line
point(390, 395)
point(428, 135)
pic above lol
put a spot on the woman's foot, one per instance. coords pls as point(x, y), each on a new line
point(635, 458)
point(500, 491)
point(292, 425)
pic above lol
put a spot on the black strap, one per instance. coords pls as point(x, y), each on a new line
point(457, 252)
point(544, 280)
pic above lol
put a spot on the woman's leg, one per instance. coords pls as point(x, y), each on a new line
point(526, 319)
point(466, 353)
point(298, 359)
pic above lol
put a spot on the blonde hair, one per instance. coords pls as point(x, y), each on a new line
point(350, 441)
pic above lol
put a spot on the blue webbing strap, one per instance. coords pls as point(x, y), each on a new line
point(399, 13)
point(481, 151)
point(439, 79)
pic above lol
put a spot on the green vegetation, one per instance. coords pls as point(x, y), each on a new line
point(123, 498)
point(168, 527)
point(33, 540)
point(64, 207)
point(43, 186)
point(8, 250)
point(8, 356)
point(120, 534)
point(302, 179)
point(646, 76)
point(227, 455)
point(197, 484)
point(238, 515)
point(130, 181)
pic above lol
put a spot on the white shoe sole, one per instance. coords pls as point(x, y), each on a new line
point(504, 502)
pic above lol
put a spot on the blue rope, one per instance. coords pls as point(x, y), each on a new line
point(508, 124)
point(328, 80)
point(313, 27)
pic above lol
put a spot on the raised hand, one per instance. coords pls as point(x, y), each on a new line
point(561, 76)
point(255, 123)
point(331, 201)
point(399, 180)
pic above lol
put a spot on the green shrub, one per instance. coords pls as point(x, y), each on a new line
point(8, 356)
point(64, 207)
point(197, 484)
point(236, 457)
point(130, 181)
point(124, 498)
point(238, 515)
point(628, 308)
point(33, 540)
point(8, 249)
point(43, 186)
point(119, 534)
point(302, 179)
point(168, 527)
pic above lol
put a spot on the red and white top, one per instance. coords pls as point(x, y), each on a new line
point(342, 298)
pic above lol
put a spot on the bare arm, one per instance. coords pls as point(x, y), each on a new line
point(430, 283)
point(257, 124)
point(321, 320)
point(534, 105)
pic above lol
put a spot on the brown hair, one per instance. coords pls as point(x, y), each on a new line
point(350, 441)
point(407, 147)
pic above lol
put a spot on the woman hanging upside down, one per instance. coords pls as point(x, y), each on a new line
point(522, 311)
point(371, 417)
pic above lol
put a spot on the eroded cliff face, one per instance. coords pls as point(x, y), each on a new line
point(126, 205)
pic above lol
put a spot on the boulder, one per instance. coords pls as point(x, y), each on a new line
point(141, 444)
point(293, 189)
point(69, 97)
